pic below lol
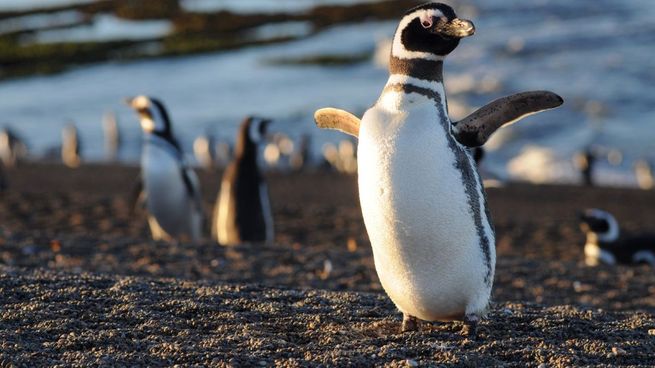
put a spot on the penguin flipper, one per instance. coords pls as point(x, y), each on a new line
point(475, 129)
point(341, 120)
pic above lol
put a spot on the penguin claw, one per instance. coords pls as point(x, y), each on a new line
point(470, 328)
point(410, 324)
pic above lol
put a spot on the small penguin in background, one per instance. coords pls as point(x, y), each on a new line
point(112, 136)
point(203, 150)
point(644, 174)
point(12, 148)
point(171, 187)
point(585, 162)
point(222, 154)
point(3, 179)
point(422, 200)
point(71, 146)
point(300, 157)
point(478, 155)
point(243, 210)
point(605, 243)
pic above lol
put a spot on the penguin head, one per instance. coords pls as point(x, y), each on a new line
point(600, 224)
point(257, 128)
point(152, 114)
point(251, 133)
point(429, 31)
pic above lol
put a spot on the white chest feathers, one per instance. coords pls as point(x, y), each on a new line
point(173, 210)
point(424, 210)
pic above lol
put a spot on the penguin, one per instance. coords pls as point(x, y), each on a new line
point(422, 199)
point(70, 146)
point(644, 174)
point(171, 187)
point(243, 210)
point(12, 148)
point(300, 157)
point(203, 151)
point(222, 153)
point(585, 162)
point(605, 243)
point(112, 136)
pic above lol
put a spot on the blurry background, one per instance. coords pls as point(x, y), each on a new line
point(214, 61)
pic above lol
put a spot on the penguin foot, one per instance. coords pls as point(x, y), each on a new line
point(470, 328)
point(410, 323)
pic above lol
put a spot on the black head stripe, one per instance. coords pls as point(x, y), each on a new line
point(167, 133)
point(415, 38)
point(156, 104)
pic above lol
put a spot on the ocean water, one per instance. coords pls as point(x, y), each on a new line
point(597, 55)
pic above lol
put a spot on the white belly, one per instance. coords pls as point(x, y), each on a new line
point(426, 245)
point(168, 201)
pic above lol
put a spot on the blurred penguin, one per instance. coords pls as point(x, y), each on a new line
point(3, 179)
point(203, 150)
point(70, 146)
point(644, 175)
point(171, 187)
point(243, 211)
point(605, 243)
point(222, 154)
point(12, 148)
point(300, 156)
point(585, 162)
point(112, 136)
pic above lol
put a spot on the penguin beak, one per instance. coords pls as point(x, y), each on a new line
point(457, 28)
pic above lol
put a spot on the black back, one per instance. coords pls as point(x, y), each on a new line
point(245, 178)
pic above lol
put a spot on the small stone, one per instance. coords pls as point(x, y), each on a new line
point(651, 332)
point(411, 363)
point(542, 365)
point(617, 351)
point(507, 312)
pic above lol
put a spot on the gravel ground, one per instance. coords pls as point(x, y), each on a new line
point(81, 284)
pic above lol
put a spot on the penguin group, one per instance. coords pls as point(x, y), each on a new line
point(171, 189)
point(422, 197)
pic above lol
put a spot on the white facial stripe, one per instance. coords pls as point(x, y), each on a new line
point(646, 256)
point(399, 51)
point(147, 125)
point(613, 233)
point(423, 83)
point(254, 131)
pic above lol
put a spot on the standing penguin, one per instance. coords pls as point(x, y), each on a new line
point(422, 199)
point(12, 148)
point(243, 211)
point(71, 146)
point(171, 187)
point(112, 136)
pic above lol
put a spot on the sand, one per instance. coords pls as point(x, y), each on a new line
point(81, 284)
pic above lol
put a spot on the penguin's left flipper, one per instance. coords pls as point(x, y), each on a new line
point(331, 118)
point(475, 129)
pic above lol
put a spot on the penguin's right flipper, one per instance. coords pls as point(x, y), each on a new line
point(331, 118)
point(475, 129)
